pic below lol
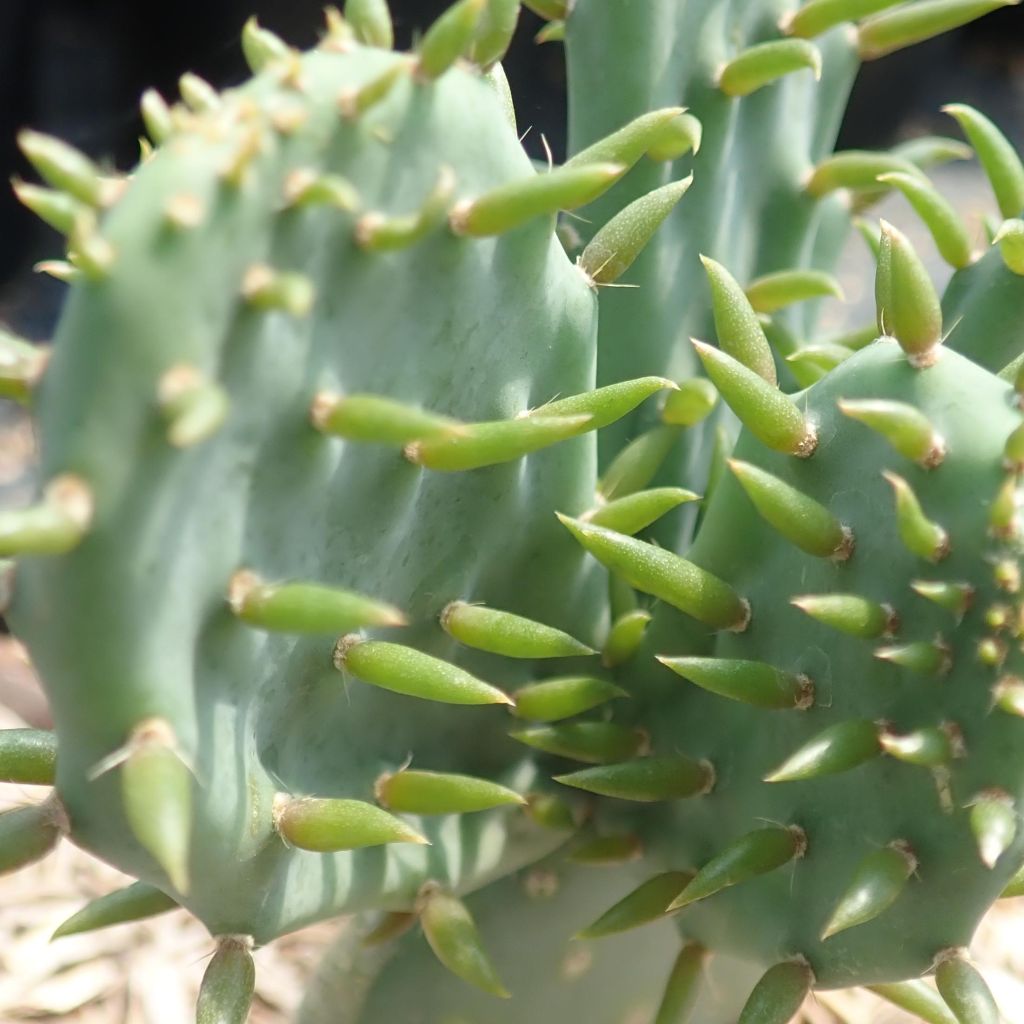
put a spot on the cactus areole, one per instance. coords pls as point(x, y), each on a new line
point(387, 563)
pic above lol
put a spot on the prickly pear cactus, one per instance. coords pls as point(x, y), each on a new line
point(344, 605)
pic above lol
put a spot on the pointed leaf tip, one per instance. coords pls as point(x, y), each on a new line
point(764, 63)
point(329, 825)
point(453, 936)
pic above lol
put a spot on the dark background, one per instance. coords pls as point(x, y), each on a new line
point(76, 68)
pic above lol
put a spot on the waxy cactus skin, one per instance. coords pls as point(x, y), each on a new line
point(387, 561)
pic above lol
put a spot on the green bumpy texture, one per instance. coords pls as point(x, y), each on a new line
point(133, 624)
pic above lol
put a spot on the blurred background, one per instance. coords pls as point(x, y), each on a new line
point(76, 69)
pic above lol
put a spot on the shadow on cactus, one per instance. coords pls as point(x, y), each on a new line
point(343, 605)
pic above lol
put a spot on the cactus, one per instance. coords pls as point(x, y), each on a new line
point(345, 460)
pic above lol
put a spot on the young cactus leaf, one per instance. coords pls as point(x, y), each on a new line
point(411, 672)
point(772, 417)
point(917, 998)
point(681, 989)
point(772, 292)
point(378, 232)
point(930, 747)
point(764, 63)
point(908, 305)
point(754, 854)
point(997, 155)
point(691, 403)
point(305, 607)
point(552, 10)
point(591, 742)
point(855, 169)
point(625, 637)
point(261, 47)
point(964, 990)
point(905, 427)
point(21, 367)
point(156, 790)
point(638, 463)
point(1010, 239)
point(134, 902)
point(326, 826)
point(849, 613)
point(810, 363)
point(490, 444)
point(646, 779)
point(449, 38)
point(270, 290)
point(415, 792)
point(28, 757)
point(993, 819)
point(835, 749)
point(29, 833)
point(66, 169)
point(615, 247)
point(454, 938)
point(156, 116)
point(52, 527)
point(751, 682)
point(488, 629)
point(197, 94)
point(354, 102)
point(939, 216)
point(510, 206)
point(956, 598)
point(550, 811)
point(494, 32)
point(739, 331)
point(920, 535)
point(656, 131)
point(370, 20)
point(925, 657)
point(877, 883)
point(379, 420)
point(59, 210)
point(604, 851)
point(608, 404)
point(229, 982)
point(664, 575)
point(646, 903)
point(635, 512)
point(913, 23)
point(1015, 887)
point(555, 699)
point(304, 188)
point(193, 407)
point(777, 997)
point(801, 519)
point(815, 17)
